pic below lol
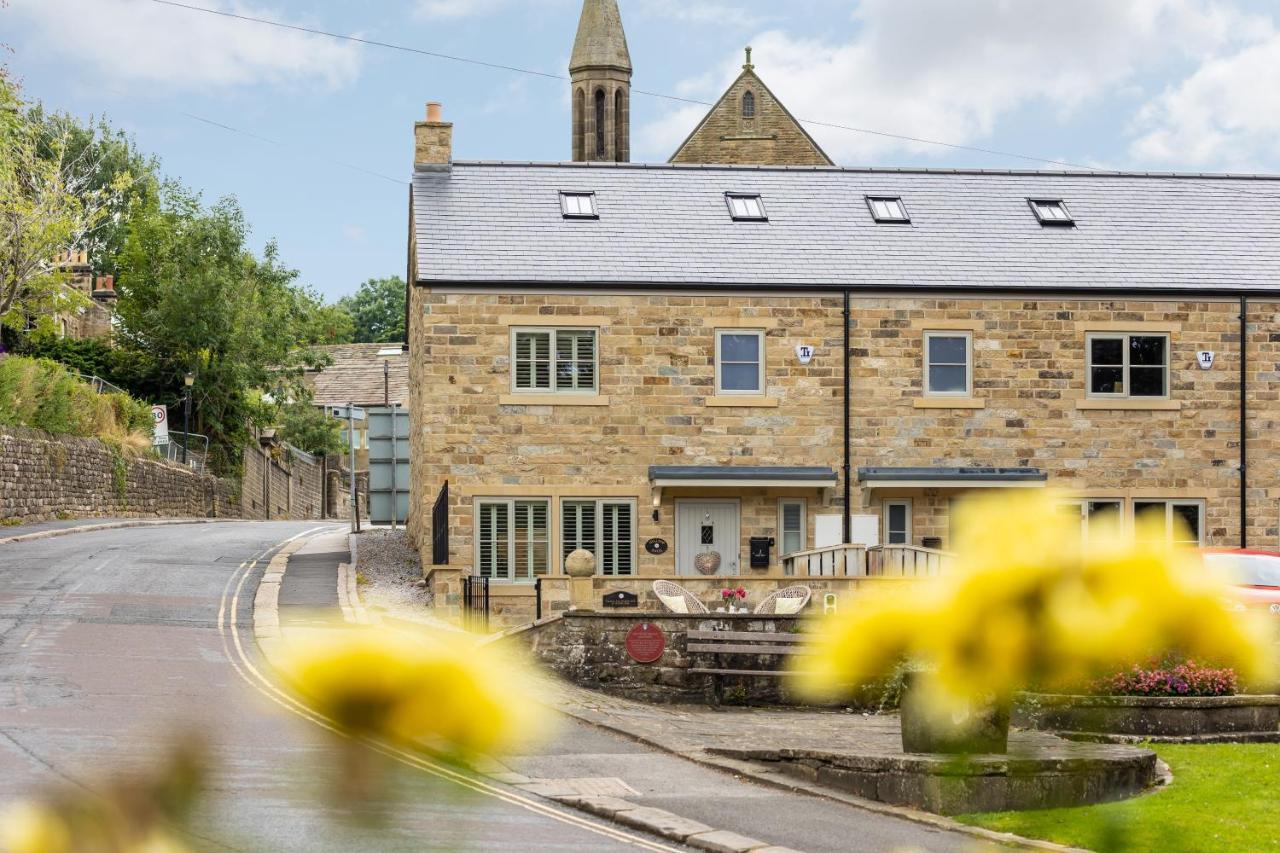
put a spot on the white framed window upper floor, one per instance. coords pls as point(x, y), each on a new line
point(555, 361)
point(739, 361)
point(948, 364)
point(1127, 366)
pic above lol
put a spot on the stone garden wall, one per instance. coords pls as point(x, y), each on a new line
point(282, 482)
point(44, 477)
point(589, 649)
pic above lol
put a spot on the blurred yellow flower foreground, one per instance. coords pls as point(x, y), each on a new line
point(434, 689)
point(1027, 603)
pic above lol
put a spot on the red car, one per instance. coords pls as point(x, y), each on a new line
point(1254, 575)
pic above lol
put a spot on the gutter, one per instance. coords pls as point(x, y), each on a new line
point(871, 289)
point(848, 468)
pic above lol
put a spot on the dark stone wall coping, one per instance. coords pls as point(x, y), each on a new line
point(1240, 700)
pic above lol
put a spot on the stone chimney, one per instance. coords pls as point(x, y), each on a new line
point(105, 289)
point(433, 139)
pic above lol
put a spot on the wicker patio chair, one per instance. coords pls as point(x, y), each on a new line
point(677, 599)
point(784, 602)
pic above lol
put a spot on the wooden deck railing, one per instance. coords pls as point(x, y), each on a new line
point(859, 561)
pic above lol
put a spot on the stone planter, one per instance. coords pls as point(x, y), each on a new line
point(1150, 716)
point(984, 730)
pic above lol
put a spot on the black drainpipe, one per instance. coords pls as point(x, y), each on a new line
point(1244, 414)
point(848, 470)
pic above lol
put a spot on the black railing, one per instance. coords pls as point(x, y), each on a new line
point(440, 528)
point(475, 604)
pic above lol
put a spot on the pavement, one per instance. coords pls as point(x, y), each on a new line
point(112, 640)
point(602, 764)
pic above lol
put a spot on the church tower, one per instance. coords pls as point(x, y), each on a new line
point(600, 71)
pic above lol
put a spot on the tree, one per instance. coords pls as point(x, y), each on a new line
point(48, 205)
point(196, 299)
point(310, 429)
point(377, 310)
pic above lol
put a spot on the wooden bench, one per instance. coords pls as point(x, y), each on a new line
point(726, 643)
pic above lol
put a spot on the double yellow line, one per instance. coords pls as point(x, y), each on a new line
point(228, 609)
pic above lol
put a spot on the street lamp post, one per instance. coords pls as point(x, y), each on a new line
point(188, 381)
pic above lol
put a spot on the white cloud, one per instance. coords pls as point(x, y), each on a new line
point(137, 41)
point(950, 71)
point(701, 12)
point(1225, 115)
point(354, 233)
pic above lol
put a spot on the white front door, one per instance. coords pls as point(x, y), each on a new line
point(706, 526)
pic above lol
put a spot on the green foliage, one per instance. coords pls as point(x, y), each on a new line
point(310, 429)
point(194, 298)
point(42, 394)
point(1222, 799)
point(377, 310)
point(51, 200)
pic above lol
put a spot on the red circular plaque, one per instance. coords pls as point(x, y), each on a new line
point(646, 643)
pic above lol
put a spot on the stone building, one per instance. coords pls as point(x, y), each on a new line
point(92, 318)
point(750, 126)
point(658, 362)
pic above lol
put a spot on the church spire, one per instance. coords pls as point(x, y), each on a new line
point(600, 71)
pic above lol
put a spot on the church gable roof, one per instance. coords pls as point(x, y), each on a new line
point(601, 41)
point(771, 137)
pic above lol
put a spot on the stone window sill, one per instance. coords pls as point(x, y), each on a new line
point(1129, 405)
point(751, 401)
point(552, 400)
point(949, 403)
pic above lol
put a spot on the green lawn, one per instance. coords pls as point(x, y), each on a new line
point(1223, 797)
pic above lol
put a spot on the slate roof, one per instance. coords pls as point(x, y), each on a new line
point(497, 223)
point(356, 376)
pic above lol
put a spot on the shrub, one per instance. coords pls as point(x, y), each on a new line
point(42, 394)
point(1169, 678)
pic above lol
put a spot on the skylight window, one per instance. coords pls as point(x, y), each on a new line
point(578, 205)
point(1051, 211)
point(746, 208)
point(887, 209)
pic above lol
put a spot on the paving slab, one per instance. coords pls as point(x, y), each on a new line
point(661, 822)
point(721, 841)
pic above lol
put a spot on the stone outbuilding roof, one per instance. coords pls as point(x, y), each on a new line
point(356, 375)
point(503, 224)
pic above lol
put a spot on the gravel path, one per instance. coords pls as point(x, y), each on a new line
point(390, 576)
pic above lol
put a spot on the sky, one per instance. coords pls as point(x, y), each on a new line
point(314, 135)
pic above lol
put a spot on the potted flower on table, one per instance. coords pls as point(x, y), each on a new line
point(731, 595)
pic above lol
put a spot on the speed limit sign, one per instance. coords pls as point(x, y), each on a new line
point(160, 415)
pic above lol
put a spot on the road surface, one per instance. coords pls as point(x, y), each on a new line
point(113, 640)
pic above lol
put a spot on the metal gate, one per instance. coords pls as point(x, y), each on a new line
point(388, 464)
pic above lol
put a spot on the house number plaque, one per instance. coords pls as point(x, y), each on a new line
point(646, 643)
point(656, 547)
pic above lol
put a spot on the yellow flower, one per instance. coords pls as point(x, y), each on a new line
point(1026, 603)
point(442, 690)
point(33, 828)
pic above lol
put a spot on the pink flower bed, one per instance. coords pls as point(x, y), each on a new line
point(1168, 679)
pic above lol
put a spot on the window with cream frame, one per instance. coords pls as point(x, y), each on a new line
point(739, 360)
point(604, 526)
point(948, 364)
point(897, 522)
point(1127, 365)
point(513, 538)
point(556, 360)
point(792, 525)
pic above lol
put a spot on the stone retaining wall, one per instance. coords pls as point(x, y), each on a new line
point(589, 649)
point(282, 482)
point(1150, 716)
point(43, 476)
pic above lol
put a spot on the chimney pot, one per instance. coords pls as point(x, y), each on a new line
point(434, 112)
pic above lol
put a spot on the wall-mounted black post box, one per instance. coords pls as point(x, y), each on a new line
point(760, 546)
